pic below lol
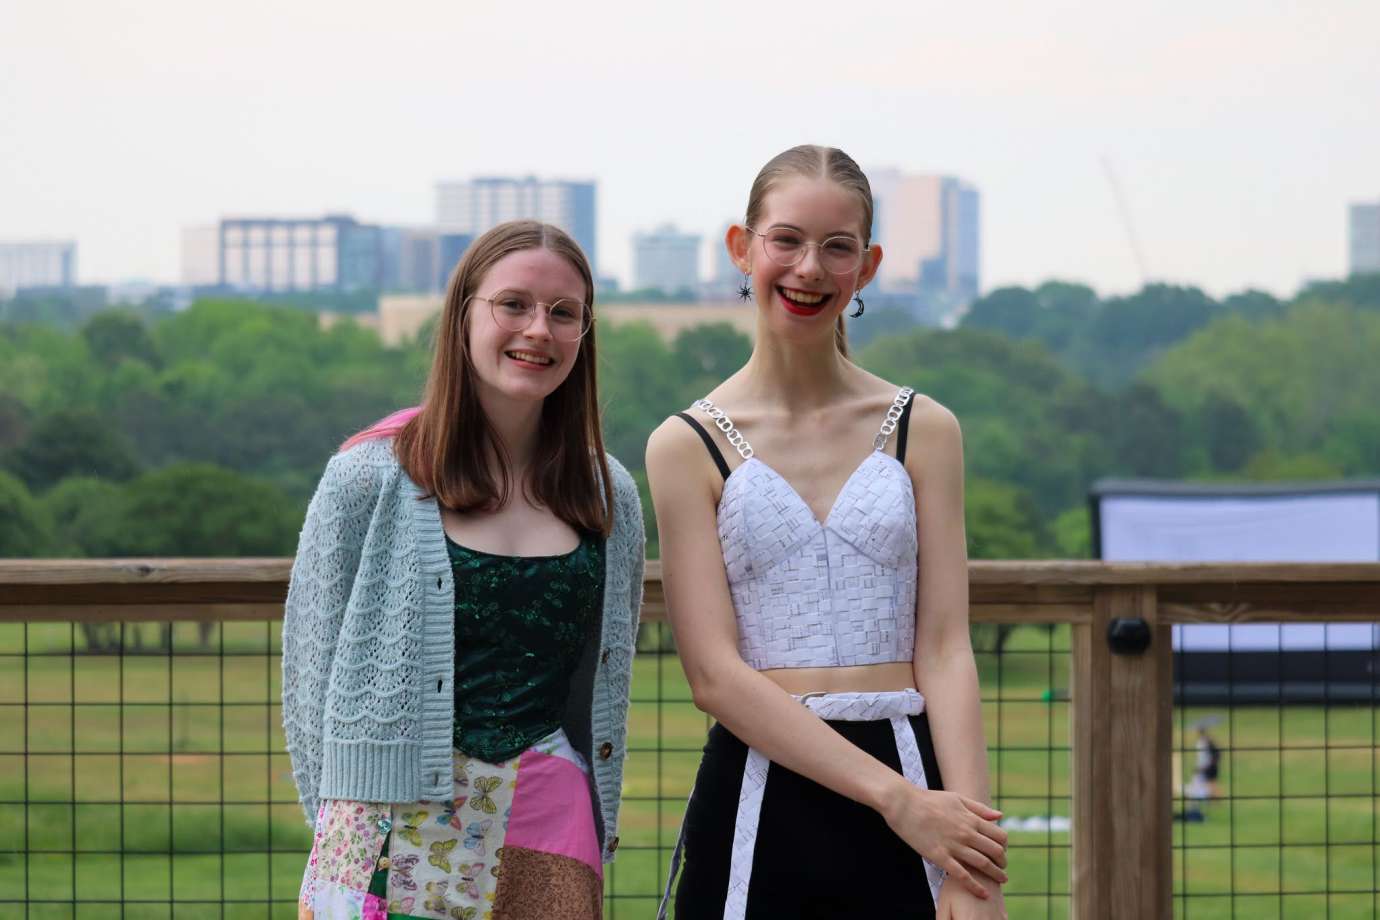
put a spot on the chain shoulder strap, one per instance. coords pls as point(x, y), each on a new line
point(725, 424)
point(893, 415)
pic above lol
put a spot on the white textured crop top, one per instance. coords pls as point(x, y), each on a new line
point(811, 594)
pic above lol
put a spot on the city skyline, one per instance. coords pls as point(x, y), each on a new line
point(1364, 235)
point(1239, 133)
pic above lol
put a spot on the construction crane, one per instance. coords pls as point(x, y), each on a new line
point(1125, 211)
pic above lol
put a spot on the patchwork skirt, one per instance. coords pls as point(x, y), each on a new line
point(516, 841)
point(760, 841)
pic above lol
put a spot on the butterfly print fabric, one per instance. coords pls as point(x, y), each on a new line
point(517, 839)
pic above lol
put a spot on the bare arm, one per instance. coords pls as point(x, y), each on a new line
point(945, 670)
point(944, 667)
point(755, 709)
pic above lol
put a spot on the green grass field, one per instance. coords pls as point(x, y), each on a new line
point(202, 779)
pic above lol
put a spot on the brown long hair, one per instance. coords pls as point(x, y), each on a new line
point(815, 162)
point(446, 446)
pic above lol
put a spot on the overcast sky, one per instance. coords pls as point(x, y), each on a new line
point(1239, 129)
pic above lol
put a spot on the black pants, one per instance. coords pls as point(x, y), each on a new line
point(818, 854)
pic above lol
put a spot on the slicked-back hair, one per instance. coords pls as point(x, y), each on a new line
point(811, 161)
point(446, 447)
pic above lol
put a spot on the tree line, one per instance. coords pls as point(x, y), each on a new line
point(202, 432)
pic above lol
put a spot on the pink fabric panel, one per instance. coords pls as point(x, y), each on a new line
point(385, 427)
point(375, 908)
point(552, 811)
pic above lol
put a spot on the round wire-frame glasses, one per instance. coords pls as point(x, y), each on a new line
point(513, 311)
point(839, 255)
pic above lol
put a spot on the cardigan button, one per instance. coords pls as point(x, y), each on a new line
point(613, 844)
point(605, 750)
point(605, 657)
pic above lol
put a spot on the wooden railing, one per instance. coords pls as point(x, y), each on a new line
point(1121, 698)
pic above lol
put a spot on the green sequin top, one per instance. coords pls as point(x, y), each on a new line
point(521, 624)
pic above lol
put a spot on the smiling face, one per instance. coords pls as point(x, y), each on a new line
point(524, 366)
point(805, 298)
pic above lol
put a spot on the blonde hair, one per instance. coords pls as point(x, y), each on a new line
point(812, 161)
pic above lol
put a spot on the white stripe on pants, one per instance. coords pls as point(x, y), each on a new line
point(895, 706)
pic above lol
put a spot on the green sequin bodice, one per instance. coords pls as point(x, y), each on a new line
point(521, 624)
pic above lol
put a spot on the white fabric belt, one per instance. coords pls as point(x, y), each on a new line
point(895, 706)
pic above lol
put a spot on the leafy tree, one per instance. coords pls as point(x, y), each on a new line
point(27, 530)
point(1254, 305)
point(14, 422)
point(1227, 432)
point(1002, 521)
point(1361, 291)
point(197, 509)
point(1055, 313)
point(70, 443)
point(1143, 434)
point(704, 355)
point(638, 386)
point(1129, 331)
point(88, 516)
point(1302, 378)
point(1072, 533)
point(1269, 466)
point(1010, 398)
point(1011, 311)
point(115, 335)
point(1066, 311)
point(46, 369)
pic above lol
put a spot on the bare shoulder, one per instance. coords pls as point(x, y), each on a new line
point(675, 453)
point(930, 418)
point(935, 441)
point(670, 441)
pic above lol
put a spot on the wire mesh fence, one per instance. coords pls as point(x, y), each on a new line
point(142, 772)
point(1275, 760)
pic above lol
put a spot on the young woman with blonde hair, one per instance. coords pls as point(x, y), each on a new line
point(813, 557)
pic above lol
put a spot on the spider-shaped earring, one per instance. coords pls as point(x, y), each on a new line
point(745, 289)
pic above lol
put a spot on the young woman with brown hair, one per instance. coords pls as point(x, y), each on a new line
point(460, 623)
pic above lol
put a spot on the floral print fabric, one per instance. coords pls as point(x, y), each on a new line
point(444, 858)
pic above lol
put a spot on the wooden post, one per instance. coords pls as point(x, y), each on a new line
point(1121, 713)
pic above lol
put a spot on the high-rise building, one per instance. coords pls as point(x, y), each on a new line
point(37, 264)
point(334, 252)
point(474, 206)
point(929, 228)
point(1365, 238)
point(666, 260)
point(420, 259)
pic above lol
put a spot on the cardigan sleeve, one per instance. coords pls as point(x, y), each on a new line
point(632, 507)
point(319, 589)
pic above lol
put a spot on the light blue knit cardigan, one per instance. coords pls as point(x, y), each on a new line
point(369, 644)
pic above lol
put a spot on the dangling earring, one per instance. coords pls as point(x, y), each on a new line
point(745, 289)
point(857, 297)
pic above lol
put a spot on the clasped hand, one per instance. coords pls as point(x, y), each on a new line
point(956, 833)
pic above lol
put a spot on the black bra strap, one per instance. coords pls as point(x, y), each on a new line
point(708, 442)
point(902, 428)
